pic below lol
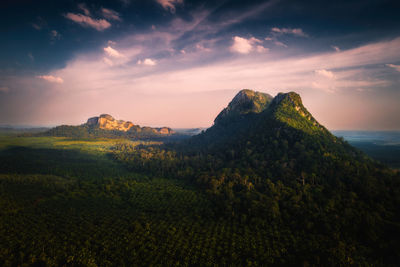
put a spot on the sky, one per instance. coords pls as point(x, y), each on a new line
point(178, 63)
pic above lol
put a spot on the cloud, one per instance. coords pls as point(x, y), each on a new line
point(275, 41)
point(89, 79)
point(278, 43)
point(36, 26)
point(86, 21)
point(396, 67)
point(112, 52)
point(296, 32)
point(325, 73)
point(261, 49)
point(110, 14)
point(169, 4)
point(336, 48)
point(83, 8)
point(245, 46)
point(4, 89)
point(39, 24)
point(51, 78)
point(147, 62)
point(202, 48)
point(54, 35)
point(108, 61)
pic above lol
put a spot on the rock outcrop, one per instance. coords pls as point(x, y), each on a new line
point(108, 122)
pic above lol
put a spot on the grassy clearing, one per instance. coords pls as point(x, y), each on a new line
point(93, 145)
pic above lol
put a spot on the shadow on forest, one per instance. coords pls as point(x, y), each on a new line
point(61, 162)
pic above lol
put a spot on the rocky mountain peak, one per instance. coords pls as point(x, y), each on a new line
point(246, 101)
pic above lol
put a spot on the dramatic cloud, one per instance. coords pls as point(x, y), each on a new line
point(245, 46)
point(110, 14)
point(181, 83)
point(297, 32)
point(396, 67)
point(112, 52)
point(147, 62)
point(169, 4)
point(86, 21)
point(51, 78)
point(325, 73)
point(336, 48)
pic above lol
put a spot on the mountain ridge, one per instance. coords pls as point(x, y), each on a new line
point(107, 126)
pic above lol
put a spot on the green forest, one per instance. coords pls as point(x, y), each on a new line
point(266, 185)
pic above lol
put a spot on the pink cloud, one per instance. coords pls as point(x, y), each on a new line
point(85, 10)
point(169, 4)
point(396, 67)
point(51, 78)
point(245, 46)
point(86, 21)
point(89, 79)
point(147, 62)
point(112, 52)
point(325, 73)
point(108, 61)
point(261, 49)
point(110, 14)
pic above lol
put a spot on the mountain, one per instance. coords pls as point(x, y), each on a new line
point(268, 163)
point(254, 113)
point(107, 126)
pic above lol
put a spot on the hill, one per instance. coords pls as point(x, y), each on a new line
point(106, 126)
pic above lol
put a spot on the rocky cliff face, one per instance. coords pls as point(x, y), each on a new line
point(107, 122)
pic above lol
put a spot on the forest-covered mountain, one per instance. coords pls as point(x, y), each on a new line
point(266, 185)
point(268, 160)
point(106, 126)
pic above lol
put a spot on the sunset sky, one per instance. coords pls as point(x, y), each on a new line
point(177, 63)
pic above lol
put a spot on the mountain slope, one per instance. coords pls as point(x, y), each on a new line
point(275, 167)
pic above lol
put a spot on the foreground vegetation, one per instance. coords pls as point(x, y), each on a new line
point(68, 202)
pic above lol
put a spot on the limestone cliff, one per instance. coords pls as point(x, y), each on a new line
point(107, 122)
